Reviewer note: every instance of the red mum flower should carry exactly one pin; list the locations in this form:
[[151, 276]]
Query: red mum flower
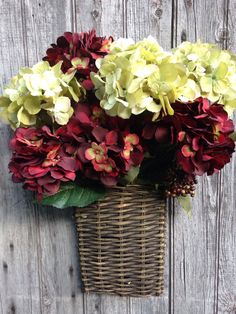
[[40, 161], [130, 141], [79, 51], [200, 131], [97, 153], [104, 145]]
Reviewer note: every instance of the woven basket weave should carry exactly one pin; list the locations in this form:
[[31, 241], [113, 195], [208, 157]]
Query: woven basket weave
[[122, 242]]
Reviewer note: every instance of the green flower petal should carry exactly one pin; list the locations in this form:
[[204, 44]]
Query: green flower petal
[[212, 69], [206, 84], [25, 118], [62, 104], [136, 75], [13, 107], [153, 107], [40, 87], [221, 71], [135, 85], [32, 105], [62, 118], [4, 101]]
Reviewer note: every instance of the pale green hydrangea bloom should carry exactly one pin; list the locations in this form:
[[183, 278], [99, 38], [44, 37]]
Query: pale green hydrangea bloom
[[211, 73], [133, 78], [39, 90]]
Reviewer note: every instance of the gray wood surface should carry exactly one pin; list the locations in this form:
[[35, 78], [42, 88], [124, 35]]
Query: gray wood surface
[[39, 267]]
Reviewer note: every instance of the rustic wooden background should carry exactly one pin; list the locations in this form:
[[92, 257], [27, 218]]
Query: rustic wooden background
[[39, 270]]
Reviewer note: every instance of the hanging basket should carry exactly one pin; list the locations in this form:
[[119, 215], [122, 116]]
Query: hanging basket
[[122, 242]]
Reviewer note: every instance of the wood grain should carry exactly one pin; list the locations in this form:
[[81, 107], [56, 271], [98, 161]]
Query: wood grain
[[195, 249], [146, 18], [57, 258], [19, 280], [103, 15], [39, 266], [226, 284], [39, 244]]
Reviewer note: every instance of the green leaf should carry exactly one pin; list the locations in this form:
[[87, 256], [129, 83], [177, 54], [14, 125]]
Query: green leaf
[[71, 194], [185, 203], [131, 175]]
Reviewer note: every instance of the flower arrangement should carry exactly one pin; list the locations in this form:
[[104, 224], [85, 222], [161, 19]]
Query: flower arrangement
[[98, 112]]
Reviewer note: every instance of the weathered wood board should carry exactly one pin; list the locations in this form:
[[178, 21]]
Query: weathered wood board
[[39, 267]]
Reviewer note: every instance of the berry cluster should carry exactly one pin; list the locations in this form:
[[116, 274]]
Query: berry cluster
[[180, 184]]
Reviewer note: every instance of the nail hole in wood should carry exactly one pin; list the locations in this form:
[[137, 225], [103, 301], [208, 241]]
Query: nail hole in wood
[[95, 14], [13, 308], [71, 270], [189, 3], [223, 34], [183, 35], [5, 266], [158, 13]]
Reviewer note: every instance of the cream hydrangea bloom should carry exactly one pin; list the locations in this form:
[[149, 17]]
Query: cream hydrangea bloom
[[37, 90], [133, 78], [211, 73]]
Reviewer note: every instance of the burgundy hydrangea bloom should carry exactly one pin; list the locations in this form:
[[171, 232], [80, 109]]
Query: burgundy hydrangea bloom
[[104, 145], [79, 51], [40, 161], [200, 131]]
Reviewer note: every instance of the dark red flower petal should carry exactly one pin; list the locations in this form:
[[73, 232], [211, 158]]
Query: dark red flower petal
[[111, 138], [162, 134], [108, 180], [68, 163], [88, 84], [83, 117], [149, 131], [99, 133], [41, 161]]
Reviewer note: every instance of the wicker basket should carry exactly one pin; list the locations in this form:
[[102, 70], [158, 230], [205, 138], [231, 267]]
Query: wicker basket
[[122, 242]]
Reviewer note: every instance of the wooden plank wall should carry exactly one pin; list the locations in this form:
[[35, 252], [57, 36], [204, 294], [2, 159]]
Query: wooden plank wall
[[39, 270]]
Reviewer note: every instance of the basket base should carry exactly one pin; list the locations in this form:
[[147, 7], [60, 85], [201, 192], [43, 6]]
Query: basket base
[[122, 243]]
